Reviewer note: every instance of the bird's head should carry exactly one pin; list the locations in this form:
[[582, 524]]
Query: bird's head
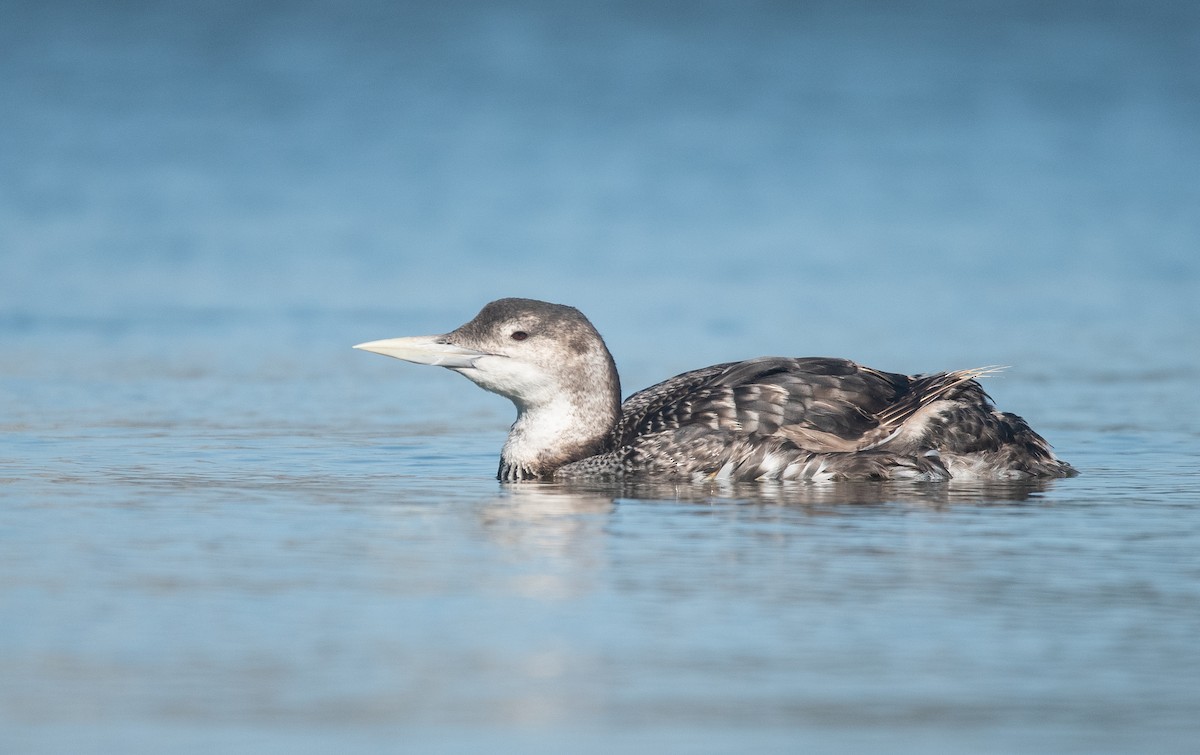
[[533, 352]]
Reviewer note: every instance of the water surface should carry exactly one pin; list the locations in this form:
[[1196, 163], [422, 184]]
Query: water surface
[[221, 529]]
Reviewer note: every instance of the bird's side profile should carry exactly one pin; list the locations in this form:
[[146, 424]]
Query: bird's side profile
[[771, 418]]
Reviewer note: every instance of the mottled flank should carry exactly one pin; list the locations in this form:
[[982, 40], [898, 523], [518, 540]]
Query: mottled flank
[[772, 418]]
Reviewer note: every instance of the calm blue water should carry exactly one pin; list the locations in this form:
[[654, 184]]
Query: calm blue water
[[221, 529]]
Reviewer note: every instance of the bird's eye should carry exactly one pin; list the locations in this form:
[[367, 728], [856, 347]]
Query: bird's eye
[[519, 335]]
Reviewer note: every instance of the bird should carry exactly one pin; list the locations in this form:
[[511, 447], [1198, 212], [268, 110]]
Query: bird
[[817, 419]]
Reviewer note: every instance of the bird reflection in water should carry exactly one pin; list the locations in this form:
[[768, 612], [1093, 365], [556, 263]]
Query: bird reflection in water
[[547, 500]]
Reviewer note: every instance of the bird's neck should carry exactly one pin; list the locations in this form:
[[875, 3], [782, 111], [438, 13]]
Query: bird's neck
[[549, 435]]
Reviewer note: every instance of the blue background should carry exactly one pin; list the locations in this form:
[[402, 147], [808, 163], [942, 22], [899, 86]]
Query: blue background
[[221, 527]]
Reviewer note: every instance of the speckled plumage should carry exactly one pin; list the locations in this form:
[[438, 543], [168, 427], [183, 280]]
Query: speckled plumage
[[782, 418]]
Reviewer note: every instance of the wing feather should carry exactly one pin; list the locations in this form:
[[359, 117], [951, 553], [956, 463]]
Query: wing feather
[[823, 419], [820, 404]]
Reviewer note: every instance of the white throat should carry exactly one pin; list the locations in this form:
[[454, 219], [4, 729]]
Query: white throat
[[541, 433]]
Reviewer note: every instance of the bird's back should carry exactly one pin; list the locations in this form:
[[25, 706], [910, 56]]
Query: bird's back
[[820, 418]]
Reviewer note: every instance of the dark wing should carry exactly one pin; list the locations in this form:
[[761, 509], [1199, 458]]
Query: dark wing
[[820, 404], [649, 409]]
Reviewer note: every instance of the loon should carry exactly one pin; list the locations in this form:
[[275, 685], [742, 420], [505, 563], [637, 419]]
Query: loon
[[770, 418]]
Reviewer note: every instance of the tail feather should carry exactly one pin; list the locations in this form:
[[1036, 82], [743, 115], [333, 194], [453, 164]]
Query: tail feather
[[929, 388]]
